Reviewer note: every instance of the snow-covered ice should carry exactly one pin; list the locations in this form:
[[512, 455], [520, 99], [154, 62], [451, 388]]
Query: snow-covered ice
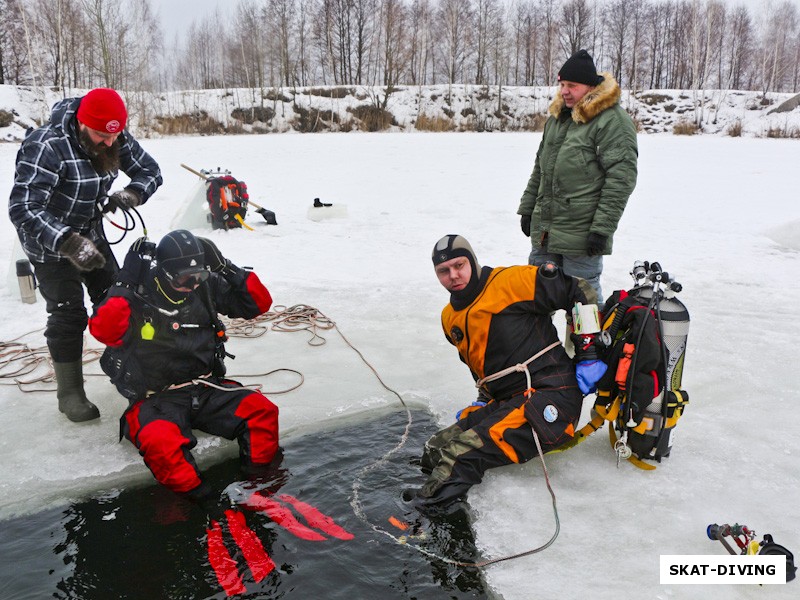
[[721, 214]]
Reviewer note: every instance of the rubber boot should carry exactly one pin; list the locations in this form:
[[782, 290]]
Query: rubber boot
[[72, 400]]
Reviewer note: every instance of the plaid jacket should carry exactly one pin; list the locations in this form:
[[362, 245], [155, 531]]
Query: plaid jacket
[[57, 190]]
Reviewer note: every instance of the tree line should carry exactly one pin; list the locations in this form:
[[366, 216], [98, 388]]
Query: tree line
[[261, 44]]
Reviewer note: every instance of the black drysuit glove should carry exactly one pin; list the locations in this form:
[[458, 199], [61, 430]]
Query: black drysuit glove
[[213, 257], [525, 224], [596, 244]]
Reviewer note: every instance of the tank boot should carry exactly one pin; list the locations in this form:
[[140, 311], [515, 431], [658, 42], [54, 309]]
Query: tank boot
[[72, 400]]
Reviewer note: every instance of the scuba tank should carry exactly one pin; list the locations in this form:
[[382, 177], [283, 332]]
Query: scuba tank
[[655, 288]]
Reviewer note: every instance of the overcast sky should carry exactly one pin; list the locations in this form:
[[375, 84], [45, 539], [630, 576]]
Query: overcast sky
[[178, 15]]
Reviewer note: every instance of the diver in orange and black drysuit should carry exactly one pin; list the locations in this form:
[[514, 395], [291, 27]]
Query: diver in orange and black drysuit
[[499, 318]]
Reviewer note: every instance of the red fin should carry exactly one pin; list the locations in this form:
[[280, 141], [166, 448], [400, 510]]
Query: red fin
[[257, 558], [223, 564], [317, 519], [282, 516]]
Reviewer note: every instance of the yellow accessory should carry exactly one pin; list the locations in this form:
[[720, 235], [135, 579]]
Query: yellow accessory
[[148, 332]]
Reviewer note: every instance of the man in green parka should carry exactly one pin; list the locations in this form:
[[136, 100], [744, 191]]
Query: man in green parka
[[585, 171]]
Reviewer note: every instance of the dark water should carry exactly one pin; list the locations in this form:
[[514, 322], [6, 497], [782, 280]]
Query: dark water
[[146, 543]]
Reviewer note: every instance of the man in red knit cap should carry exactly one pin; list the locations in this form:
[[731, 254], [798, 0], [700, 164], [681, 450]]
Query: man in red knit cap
[[64, 173]]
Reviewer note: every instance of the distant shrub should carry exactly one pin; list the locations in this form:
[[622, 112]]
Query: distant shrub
[[236, 128], [783, 132], [527, 123], [652, 99], [373, 118], [685, 127], [493, 122], [275, 96], [735, 129], [347, 125], [450, 114], [669, 108], [332, 92], [468, 112], [312, 120], [6, 118], [253, 114], [428, 123], [189, 123]]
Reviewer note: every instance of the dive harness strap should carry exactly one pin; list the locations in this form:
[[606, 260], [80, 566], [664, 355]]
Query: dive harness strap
[[609, 411], [518, 368]]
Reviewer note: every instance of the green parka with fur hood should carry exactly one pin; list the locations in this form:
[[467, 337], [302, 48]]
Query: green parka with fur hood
[[585, 171]]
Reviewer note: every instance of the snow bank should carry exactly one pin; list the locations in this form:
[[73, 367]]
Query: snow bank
[[439, 107]]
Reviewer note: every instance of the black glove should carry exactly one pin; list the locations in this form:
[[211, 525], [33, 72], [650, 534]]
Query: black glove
[[585, 346], [213, 257], [211, 502], [596, 244], [82, 253], [525, 224], [126, 198], [137, 262]]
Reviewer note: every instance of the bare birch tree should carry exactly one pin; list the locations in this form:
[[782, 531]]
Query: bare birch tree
[[575, 20]]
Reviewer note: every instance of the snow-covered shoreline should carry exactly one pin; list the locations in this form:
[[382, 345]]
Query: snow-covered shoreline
[[408, 108]]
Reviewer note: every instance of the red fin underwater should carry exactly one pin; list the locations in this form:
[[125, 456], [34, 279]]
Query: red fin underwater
[[282, 516], [257, 558], [317, 519], [223, 564]]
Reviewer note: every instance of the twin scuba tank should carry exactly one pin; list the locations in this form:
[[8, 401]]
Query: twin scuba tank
[[654, 286], [642, 340]]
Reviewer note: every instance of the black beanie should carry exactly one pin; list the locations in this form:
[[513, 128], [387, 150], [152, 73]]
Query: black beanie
[[580, 69]]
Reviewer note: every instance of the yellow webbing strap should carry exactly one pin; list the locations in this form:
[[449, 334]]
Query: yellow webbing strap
[[679, 405], [601, 414], [636, 462]]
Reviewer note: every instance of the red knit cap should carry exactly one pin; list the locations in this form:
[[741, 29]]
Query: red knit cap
[[102, 109]]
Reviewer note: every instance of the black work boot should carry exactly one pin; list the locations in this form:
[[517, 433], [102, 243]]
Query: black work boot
[[72, 400]]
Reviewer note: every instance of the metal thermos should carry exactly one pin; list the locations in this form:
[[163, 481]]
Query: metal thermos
[[27, 282]]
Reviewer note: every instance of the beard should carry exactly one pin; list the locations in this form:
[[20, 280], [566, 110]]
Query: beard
[[103, 158]]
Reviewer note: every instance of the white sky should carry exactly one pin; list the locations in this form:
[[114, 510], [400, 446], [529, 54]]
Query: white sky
[[177, 15]]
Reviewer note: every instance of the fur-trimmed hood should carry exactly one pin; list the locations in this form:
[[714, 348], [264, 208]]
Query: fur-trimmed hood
[[602, 97]]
